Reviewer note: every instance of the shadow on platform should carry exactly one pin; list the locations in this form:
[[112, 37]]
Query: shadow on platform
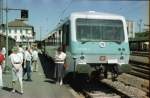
[[7, 89], [50, 81], [48, 65]]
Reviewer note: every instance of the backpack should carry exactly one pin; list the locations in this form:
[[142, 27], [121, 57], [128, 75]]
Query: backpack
[[1, 58]]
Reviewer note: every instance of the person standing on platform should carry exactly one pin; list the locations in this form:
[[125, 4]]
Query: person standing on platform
[[60, 57], [34, 59], [4, 53], [27, 63], [16, 61], [21, 53], [2, 58]]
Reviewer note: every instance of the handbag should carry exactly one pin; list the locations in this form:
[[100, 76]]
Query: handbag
[[65, 65]]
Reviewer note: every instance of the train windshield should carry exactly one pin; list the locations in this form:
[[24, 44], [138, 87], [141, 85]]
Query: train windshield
[[99, 30]]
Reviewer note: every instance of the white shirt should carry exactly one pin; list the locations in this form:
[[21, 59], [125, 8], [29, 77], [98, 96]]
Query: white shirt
[[35, 55], [16, 60], [20, 49], [27, 56], [21, 52], [3, 51], [59, 58]]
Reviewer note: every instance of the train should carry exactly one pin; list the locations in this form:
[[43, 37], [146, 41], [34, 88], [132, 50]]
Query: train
[[11, 42], [95, 42], [139, 45]]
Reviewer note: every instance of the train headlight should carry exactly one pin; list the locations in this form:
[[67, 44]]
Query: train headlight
[[119, 49], [82, 60], [121, 58], [123, 49], [82, 57]]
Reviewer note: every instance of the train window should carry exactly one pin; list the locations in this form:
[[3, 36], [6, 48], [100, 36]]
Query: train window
[[98, 29]]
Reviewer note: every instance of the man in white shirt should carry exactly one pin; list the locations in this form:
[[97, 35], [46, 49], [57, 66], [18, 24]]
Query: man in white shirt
[[4, 53], [60, 57], [34, 60], [28, 64]]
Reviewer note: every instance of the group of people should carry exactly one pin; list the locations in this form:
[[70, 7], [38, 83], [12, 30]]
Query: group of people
[[21, 60]]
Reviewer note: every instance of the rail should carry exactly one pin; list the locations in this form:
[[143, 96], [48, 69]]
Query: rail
[[140, 68]]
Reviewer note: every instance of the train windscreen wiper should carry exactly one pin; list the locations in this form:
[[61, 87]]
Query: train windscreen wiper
[[83, 42]]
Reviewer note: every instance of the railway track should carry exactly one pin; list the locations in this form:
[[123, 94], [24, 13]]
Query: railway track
[[142, 54], [118, 89], [104, 91], [99, 94], [105, 88], [140, 65], [134, 81], [140, 69]]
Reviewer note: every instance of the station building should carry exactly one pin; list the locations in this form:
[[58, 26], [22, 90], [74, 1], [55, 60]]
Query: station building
[[22, 32]]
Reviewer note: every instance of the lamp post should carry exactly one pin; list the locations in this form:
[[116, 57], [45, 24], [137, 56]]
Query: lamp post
[[6, 28], [6, 34]]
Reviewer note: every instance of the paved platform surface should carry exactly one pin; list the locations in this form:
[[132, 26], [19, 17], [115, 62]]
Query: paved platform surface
[[41, 86]]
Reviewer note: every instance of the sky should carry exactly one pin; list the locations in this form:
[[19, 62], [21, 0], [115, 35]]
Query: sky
[[44, 15]]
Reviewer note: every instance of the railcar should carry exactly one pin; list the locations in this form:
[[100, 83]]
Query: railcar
[[93, 42], [139, 45]]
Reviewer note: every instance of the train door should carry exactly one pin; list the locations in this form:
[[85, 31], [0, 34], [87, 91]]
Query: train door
[[65, 36]]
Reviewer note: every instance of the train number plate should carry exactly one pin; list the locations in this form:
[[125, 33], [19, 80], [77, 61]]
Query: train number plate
[[112, 61]]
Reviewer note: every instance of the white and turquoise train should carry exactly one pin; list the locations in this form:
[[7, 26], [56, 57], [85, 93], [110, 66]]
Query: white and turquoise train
[[92, 41]]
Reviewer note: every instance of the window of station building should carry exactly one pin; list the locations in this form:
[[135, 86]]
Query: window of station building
[[21, 31], [3, 30], [29, 31], [15, 37], [15, 30], [26, 31], [9, 30]]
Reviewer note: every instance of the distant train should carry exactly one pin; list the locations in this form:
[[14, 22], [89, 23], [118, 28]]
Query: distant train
[[11, 42], [140, 45], [93, 42]]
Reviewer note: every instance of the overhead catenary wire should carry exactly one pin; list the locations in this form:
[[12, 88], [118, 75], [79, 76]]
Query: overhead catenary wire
[[61, 14], [64, 10]]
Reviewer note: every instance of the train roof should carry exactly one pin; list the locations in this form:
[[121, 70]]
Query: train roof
[[86, 14], [94, 13]]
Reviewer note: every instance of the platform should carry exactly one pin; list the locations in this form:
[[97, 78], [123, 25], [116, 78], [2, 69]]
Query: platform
[[41, 86]]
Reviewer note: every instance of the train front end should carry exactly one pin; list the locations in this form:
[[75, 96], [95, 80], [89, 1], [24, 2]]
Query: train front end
[[98, 40]]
